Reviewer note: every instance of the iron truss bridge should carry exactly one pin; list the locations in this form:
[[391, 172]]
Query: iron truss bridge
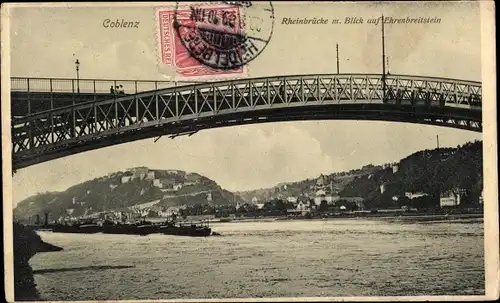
[[53, 118]]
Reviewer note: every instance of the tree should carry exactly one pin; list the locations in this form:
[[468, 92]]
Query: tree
[[425, 202], [403, 201], [323, 206], [351, 206]]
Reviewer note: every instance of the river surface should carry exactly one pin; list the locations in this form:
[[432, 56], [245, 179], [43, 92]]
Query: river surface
[[350, 257]]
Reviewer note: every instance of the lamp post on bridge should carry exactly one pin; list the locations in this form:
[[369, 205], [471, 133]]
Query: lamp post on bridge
[[77, 64], [337, 58], [383, 62]]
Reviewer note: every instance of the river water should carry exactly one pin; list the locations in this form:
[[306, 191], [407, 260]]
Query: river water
[[351, 257]]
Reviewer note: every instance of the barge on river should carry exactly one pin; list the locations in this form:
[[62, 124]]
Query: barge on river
[[77, 228], [142, 228], [191, 230]]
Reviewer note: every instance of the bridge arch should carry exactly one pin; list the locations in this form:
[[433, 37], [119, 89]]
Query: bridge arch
[[58, 132]]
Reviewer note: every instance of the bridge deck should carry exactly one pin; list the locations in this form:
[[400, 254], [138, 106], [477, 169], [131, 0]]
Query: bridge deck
[[26, 103], [32, 95]]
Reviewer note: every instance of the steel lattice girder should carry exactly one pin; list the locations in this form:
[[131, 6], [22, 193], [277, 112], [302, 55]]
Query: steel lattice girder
[[447, 102], [72, 146]]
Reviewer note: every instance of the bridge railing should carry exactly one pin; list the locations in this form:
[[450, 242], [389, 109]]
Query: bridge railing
[[89, 86]]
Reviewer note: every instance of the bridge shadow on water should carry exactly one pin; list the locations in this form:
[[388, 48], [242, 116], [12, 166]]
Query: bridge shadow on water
[[94, 268]]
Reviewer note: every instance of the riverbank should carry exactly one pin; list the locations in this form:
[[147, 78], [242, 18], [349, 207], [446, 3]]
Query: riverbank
[[407, 217], [27, 243]]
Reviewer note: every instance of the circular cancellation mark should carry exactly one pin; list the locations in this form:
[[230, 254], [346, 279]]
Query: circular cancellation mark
[[224, 35]]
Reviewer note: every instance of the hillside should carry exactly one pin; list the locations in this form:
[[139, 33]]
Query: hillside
[[124, 189], [299, 188], [430, 171]]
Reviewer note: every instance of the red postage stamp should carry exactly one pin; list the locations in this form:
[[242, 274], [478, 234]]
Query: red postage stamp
[[174, 53]]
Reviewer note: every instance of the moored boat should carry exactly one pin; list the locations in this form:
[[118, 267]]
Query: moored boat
[[147, 229], [190, 230], [128, 229], [76, 229]]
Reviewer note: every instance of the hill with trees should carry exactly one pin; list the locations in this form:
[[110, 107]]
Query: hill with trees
[[125, 189], [432, 172], [300, 188], [429, 171]]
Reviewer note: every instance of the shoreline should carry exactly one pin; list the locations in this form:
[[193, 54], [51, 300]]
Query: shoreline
[[27, 243], [395, 218]]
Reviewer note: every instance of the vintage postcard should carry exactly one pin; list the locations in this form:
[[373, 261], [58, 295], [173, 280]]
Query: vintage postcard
[[250, 151]]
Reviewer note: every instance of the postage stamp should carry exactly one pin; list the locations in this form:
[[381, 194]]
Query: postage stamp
[[206, 40], [174, 54]]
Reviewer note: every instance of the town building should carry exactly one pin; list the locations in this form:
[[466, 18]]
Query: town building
[[127, 177], [324, 191], [302, 208], [395, 168], [411, 195], [167, 189], [195, 178], [173, 172], [75, 202], [150, 175], [142, 206], [169, 212], [158, 183], [449, 199], [138, 172], [330, 199]]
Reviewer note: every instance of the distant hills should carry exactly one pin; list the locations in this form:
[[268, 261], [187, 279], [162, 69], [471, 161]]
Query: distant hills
[[307, 187], [430, 171], [124, 189]]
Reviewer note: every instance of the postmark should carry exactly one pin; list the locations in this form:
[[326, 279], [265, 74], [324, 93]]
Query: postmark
[[225, 36], [173, 54]]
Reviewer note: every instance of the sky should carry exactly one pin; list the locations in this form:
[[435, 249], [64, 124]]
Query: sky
[[46, 41]]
